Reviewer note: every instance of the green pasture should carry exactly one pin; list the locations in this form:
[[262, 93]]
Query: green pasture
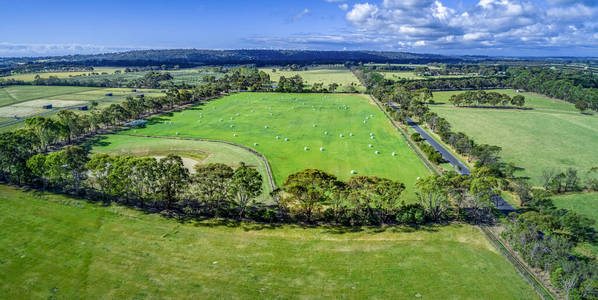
[[584, 204], [396, 75], [292, 117], [202, 152], [343, 77], [55, 247], [548, 135]]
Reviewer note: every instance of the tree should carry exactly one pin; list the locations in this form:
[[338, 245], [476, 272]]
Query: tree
[[433, 196], [70, 123], [581, 105], [247, 184], [518, 100], [45, 129], [173, 178], [212, 185], [309, 189]]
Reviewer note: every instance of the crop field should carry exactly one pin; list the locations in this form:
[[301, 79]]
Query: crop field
[[549, 135], [343, 77], [334, 128], [192, 152], [31, 76], [53, 246]]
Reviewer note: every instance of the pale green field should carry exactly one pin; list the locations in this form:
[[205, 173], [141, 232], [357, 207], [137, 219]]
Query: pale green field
[[20, 93], [343, 77], [54, 247], [584, 204], [292, 116], [399, 75], [31, 76], [201, 151], [551, 135]]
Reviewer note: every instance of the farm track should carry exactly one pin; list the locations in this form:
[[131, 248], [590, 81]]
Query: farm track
[[259, 155]]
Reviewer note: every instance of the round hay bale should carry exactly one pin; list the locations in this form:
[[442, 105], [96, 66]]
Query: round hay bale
[[177, 133], [277, 137], [370, 145], [372, 137], [255, 144], [305, 148], [371, 134], [353, 172], [394, 154], [231, 125], [351, 134], [321, 148], [340, 135], [377, 152], [315, 125], [266, 126], [325, 132], [286, 139]]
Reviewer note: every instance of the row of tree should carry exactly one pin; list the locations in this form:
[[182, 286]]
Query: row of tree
[[483, 98]]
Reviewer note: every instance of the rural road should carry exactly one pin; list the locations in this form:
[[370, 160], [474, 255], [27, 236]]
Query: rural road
[[500, 203]]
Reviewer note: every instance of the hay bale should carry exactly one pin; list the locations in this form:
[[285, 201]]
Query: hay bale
[[286, 139], [371, 134], [394, 154], [377, 152], [255, 144], [305, 148], [231, 125], [266, 126], [364, 121], [177, 133], [350, 133], [315, 125], [277, 137], [325, 132], [353, 172], [372, 137], [340, 135], [234, 134], [321, 148]]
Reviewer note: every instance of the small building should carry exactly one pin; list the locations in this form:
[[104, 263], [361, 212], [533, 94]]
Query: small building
[[84, 107], [133, 90], [47, 106], [109, 95]]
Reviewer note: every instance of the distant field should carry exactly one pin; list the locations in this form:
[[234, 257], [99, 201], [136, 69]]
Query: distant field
[[550, 135], [31, 76], [343, 77], [197, 151], [27, 100], [399, 75], [54, 247], [293, 116]]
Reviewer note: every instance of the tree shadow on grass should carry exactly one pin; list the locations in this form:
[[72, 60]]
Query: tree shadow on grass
[[96, 141]]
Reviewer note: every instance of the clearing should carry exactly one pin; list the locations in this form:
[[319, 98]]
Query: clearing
[[343, 77]]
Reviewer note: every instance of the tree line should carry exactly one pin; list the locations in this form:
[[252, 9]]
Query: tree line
[[483, 98]]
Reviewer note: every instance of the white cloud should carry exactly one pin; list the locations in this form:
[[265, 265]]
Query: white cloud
[[50, 49], [300, 15], [343, 6]]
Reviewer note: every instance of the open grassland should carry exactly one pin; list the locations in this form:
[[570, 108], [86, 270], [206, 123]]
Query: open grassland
[[261, 117], [550, 135], [202, 152], [31, 76], [399, 75], [52, 246], [343, 77]]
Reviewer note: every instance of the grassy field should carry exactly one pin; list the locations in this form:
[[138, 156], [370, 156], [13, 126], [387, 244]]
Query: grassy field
[[52, 246], [31, 76], [399, 75], [550, 135], [343, 77], [293, 116], [199, 151]]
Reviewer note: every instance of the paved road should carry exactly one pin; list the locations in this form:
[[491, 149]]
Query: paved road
[[500, 203]]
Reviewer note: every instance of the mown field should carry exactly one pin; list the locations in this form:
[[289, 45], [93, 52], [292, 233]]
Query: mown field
[[258, 118], [550, 135], [343, 77], [585, 204], [193, 152], [55, 247]]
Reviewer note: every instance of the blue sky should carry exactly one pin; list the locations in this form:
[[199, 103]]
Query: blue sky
[[481, 27]]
